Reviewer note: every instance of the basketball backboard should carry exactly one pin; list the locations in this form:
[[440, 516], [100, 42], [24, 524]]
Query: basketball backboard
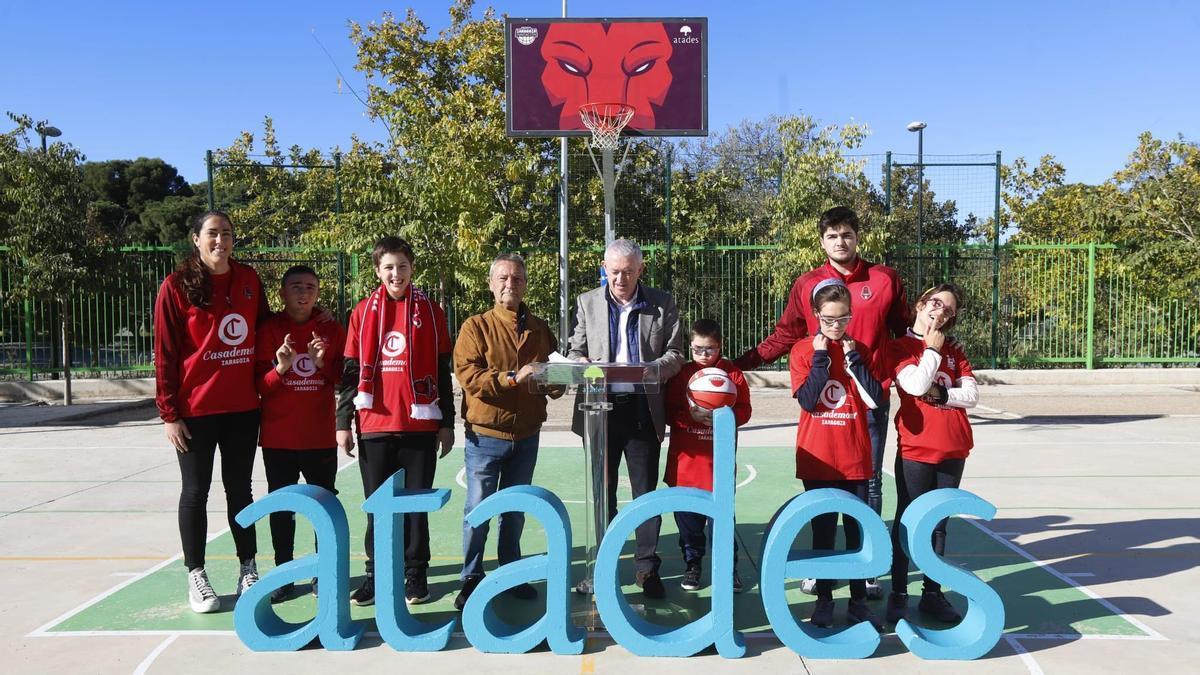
[[657, 65]]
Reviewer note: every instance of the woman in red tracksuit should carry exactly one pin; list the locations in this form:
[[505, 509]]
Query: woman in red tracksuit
[[833, 383], [690, 455], [936, 386], [204, 341]]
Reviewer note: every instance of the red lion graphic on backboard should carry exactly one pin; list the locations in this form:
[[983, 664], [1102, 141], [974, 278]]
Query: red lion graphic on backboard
[[606, 63]]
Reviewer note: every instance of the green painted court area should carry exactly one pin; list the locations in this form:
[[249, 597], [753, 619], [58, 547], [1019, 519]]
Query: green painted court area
[[1037, 601]]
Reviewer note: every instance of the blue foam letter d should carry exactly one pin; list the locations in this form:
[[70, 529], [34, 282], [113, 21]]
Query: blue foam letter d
[[632, 631]]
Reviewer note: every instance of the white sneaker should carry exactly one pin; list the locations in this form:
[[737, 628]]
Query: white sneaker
[[874, 590], [201, 595], [808, 586], [247, 576]]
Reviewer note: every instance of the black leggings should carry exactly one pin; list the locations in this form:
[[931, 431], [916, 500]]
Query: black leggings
[[378, 459], [237, 436], [914, 479], [824, 533], [284, 467]]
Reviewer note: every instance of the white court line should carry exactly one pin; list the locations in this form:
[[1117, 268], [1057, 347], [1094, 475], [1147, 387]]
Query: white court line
[[144, 666], [752, 476], [1080, 574], [1009, 534], [1026, 657], [995, 411], [42, 631], [1150, 632]]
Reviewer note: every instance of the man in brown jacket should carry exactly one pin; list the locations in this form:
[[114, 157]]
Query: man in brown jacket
[[502, 411]]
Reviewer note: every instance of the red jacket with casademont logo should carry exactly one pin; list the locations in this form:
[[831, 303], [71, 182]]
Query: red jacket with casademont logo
[[204, 356], [297, 407]]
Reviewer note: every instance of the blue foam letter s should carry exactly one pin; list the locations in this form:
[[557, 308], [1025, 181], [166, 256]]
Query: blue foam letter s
[[983, 622]]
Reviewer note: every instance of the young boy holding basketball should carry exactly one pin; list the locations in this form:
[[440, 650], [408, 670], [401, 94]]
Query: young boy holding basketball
[[690, 454]]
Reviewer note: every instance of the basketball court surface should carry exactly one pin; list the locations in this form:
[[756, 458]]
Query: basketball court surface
[[1093, 549]]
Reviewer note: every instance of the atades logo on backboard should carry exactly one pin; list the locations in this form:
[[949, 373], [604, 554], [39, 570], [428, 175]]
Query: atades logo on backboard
[[685, 37], [262, 630]]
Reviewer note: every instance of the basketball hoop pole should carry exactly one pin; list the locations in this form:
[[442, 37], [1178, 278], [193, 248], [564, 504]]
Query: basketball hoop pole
[[608, 176]]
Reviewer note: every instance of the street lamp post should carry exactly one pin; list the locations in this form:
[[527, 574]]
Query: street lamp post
[[919, 127], [45, 130]]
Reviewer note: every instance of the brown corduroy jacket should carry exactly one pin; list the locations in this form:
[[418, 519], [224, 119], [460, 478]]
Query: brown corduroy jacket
[[487, 348]]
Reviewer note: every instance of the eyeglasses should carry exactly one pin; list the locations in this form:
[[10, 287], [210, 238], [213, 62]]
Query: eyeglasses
[[705, 351], [832, 321], [938, 304]]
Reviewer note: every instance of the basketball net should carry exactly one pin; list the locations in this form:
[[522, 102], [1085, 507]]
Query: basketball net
[[605, 121]]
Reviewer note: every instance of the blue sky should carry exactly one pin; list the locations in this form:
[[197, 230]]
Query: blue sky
[[1078, 80]]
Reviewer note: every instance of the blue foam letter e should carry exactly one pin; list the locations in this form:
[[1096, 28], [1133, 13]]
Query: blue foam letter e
[[485, 630], [632, 631], [255, 621], [398, 628], [855, 642], [983, 622]]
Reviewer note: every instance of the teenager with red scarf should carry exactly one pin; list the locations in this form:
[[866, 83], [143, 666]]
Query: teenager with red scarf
[[880, 313], [204, 341], [936, 386], [833, 383], [396, 385]]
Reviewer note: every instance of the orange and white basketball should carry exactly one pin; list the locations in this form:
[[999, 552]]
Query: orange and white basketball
[[711, 388]]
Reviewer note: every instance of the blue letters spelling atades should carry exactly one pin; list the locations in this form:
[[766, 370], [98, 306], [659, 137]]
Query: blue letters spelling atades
[[262, 630]]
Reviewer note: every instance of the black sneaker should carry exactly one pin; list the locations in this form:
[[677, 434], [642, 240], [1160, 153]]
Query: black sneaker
[[468, 587], [652, 586], [737, 583], [936, 605], [416, 589], [365, 595], [691, 576], [523, 592], [822, 614], [859, 611], [584, 587], [897, 607], [282, 593]]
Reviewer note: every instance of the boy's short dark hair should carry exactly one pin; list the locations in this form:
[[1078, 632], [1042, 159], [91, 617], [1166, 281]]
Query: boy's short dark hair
[[837, 216], [297, 269], [708, 328], [392, 244]]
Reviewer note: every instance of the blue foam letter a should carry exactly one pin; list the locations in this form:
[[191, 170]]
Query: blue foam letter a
[[983, 622], [255, 621], [632, 631], [484, 628]]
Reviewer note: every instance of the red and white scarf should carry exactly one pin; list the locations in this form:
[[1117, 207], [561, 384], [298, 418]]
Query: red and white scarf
[[421, 338]]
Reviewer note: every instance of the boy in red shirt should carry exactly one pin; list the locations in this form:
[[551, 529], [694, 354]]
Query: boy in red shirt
[[936, 387], [396, 384], [299, 360], [690, 454], [833, 383]]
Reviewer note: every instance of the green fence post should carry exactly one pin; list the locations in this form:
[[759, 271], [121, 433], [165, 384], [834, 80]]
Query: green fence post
[[341, 275], [996, 270], [29, 336], [1091, 307], [212, 198], [337, 185]]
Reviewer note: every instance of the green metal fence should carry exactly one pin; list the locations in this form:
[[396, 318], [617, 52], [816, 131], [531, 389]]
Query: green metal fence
[[1054, 305]]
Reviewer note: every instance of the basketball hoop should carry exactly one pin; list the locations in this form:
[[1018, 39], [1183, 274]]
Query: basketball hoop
[[605, 121]]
